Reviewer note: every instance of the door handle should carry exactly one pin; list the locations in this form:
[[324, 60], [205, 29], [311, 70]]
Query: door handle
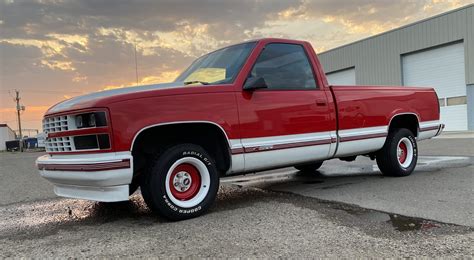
[[320, 103]]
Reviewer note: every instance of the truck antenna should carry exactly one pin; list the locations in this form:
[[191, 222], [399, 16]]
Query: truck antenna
[[136, 64]]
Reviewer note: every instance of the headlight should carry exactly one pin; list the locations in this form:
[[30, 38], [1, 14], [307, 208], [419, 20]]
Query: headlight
[[95, 119]]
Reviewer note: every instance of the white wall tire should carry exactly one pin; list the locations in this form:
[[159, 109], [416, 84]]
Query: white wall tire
[[399, 155], [181, 183]]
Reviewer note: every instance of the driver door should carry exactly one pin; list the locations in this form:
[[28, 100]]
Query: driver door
[[287, 122]]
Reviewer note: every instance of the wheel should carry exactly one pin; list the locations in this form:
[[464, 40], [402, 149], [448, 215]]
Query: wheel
[[309, 167], [399, 154], [181, 183]]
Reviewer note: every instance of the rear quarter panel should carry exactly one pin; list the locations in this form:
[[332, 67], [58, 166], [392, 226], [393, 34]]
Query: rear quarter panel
[[370, 106], [365, 112]]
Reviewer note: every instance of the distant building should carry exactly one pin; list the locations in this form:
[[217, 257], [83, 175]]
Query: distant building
[[436, 52], [6, 134], [41, 137]]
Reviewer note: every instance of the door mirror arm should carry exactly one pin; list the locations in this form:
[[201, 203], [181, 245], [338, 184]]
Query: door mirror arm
[[254, 83]]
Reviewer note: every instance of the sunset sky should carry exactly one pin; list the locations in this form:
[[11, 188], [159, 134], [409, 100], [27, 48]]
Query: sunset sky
[[53, 50]]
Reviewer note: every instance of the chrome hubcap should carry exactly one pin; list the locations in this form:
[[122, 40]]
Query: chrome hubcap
[[182, 181], [400, 153], [405, 152]]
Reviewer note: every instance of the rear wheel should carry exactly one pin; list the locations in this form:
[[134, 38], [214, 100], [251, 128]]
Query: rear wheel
[[399, 155], [182, 183], [309, 167]]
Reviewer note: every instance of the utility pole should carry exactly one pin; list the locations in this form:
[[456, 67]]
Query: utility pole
[[19, 108]]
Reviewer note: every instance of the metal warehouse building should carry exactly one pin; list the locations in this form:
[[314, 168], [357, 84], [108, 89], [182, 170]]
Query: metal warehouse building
[[437, 52]]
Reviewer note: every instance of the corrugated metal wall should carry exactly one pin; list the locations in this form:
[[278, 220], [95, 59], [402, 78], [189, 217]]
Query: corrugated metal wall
[[377, 59]]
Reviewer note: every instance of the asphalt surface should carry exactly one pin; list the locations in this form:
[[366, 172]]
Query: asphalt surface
[[20, 179], [285, 214], [441, 188]]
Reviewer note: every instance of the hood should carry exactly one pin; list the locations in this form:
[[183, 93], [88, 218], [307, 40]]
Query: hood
[[75, 101]]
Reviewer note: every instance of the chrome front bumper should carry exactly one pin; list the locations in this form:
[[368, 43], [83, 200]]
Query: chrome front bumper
[[100, 177]]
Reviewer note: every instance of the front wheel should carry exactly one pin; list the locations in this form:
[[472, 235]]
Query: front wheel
[[181, 183], [399, 155]]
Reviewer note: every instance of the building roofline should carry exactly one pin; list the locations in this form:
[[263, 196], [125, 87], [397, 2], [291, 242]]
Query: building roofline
[[399, 28], [7, 126]]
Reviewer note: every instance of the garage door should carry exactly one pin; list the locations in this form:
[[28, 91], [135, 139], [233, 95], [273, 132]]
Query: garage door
[[343, 77], [442, 68]]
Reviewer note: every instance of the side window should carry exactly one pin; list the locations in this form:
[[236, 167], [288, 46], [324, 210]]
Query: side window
[[284, 67]]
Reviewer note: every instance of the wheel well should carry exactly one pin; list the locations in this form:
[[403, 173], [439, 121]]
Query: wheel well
[[156, 139], [408, 121]]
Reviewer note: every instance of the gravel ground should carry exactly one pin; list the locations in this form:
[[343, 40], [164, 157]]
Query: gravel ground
[[245, 222]]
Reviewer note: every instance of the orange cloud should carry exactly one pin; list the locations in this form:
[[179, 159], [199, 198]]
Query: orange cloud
[[188, 39], [53, 47]]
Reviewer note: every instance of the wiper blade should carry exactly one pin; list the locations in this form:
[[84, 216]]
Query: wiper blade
[[196, 81]]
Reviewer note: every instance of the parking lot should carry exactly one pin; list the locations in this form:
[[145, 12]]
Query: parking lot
[[346, 209]]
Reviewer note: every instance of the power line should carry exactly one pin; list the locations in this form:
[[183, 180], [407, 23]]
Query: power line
[[9, 121]]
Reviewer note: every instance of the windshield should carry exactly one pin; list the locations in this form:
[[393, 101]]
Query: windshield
[[219, 67]]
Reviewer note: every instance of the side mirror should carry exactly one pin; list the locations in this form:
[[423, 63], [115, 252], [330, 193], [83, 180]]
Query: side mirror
[[254, 83]]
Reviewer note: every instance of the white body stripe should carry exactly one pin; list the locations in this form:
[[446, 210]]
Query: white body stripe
[[429, 123], [264, 153], [284, 157], [422, 135], [363, 131], [367, 145], [237, 160], [427, 134], [285, 139], [357, 147], [279, 157], [333, 148]]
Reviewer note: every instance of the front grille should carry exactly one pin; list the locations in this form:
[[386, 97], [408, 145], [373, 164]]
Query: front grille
[[60, 136], [55, 124], [59, 144]]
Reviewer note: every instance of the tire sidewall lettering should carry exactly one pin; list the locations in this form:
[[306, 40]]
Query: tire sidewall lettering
[[180, 210], [199, 155], [415, 148]]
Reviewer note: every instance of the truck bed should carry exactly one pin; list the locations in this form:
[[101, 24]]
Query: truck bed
[[365, 112]]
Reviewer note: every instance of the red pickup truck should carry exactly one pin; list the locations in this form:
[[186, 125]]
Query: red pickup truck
[[248, 107]]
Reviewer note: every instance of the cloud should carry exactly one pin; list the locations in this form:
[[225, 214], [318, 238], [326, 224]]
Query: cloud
[[71, 46], [167, 76], [53, 48], [188, 39]]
